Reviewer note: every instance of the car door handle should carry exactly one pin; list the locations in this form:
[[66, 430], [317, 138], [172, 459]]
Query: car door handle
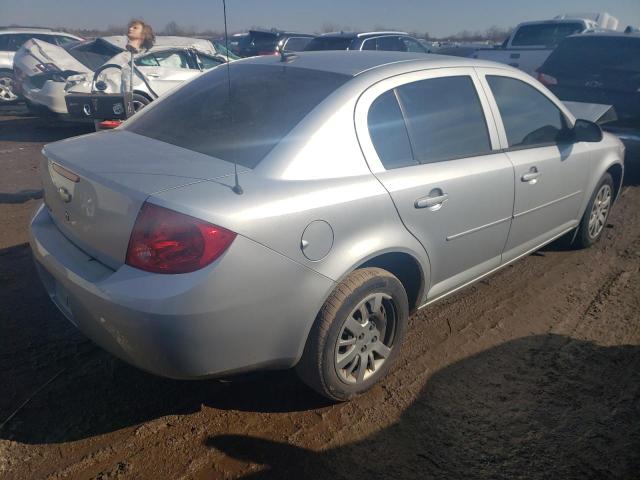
[[153, 75], [431, 201], [530, 176]]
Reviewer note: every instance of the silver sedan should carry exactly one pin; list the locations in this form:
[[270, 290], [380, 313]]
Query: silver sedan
[[293, 211]]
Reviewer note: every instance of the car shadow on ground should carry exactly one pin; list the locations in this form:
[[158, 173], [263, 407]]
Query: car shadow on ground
[[543, 406], [22, 126], [91, 392]]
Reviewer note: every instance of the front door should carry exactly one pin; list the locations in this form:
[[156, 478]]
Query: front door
[[551, 171]]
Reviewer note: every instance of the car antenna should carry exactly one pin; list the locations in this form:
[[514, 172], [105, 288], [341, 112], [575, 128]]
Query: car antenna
[[237, 189]]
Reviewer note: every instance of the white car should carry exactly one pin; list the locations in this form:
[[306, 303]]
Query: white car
[[45, 73], [11, 39]]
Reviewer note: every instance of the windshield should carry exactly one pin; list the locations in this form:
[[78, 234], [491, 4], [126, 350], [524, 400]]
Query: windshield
[[265, 104], [92, 54], [329, 43], [546, 34]]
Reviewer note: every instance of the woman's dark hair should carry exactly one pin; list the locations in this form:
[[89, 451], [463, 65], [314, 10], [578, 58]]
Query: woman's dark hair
[[147, 32]]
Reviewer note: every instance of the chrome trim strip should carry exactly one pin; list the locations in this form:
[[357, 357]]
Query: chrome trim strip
[[476, 229], [547, 204], [499, 267]]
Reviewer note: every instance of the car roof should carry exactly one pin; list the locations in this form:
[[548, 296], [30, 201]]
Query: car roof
[[606, 34], [360, 34], [279, 33], [356, 62], [164, 41], [40, 31]]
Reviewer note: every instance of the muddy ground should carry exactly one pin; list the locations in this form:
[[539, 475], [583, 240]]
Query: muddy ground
[[532, 373]]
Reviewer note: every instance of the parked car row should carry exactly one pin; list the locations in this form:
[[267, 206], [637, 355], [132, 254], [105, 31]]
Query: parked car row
[[46, 73]]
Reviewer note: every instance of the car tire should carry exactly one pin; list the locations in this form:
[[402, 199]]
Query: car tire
[[139, 102], [595, 217], [7, 95], [357, 335]]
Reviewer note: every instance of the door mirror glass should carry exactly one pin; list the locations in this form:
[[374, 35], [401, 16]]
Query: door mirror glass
[[586, 131]]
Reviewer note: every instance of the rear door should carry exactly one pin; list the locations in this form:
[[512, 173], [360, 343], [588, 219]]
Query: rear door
[[429, 139], [166, 69], [551, 171]]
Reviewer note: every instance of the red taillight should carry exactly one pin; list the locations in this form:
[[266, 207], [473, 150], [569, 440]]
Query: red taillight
[[546, 80], [109, 124], [47, 67], [164, 241]]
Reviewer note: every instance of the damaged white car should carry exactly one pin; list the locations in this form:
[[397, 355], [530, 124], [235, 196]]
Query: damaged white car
[[45, 73]]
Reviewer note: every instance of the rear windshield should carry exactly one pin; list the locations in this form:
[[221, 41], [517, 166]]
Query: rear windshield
[[329, 43], [595, 55], [546, 34], [92, 54], [265, 103]]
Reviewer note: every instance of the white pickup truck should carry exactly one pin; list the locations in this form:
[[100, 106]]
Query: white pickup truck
[[531, 43]]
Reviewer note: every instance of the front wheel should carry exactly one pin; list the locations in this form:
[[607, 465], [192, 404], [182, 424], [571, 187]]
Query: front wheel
[[596, 214], [357, 335]]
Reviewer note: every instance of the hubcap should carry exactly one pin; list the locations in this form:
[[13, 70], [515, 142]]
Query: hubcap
[[599, 211], [6, 90], [366, 339]]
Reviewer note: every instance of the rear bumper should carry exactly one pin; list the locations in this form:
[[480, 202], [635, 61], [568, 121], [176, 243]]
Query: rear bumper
[[252, 308], [50, 96]]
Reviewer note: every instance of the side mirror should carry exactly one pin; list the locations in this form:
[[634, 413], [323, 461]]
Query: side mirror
[[586, 131]]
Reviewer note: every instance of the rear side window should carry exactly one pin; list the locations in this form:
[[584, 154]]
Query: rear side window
[[4, 43], [544, 34], [329, 43], [530, 119], [444, 118], [389, 133], [266, 102]]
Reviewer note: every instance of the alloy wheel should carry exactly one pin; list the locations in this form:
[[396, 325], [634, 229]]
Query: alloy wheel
[[599, 211], [366, 339], [6, 89]]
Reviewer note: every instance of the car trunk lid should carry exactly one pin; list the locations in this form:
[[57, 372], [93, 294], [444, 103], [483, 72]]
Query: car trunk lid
[[95, 185]]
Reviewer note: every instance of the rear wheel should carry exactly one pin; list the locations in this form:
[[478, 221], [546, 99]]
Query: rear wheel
[[596, 214], [357, 335], [7, 94]]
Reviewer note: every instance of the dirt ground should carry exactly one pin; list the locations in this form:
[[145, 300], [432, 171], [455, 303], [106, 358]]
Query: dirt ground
[[532, 373]]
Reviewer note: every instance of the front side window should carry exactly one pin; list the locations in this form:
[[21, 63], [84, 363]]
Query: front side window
[[530, 119], [296, 44], [444, 118], [172, 59], [389, 133], [412, 45], [63, 40], [387, 44]]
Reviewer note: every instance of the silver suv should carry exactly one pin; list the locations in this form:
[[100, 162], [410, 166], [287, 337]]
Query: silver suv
[[11, 39]]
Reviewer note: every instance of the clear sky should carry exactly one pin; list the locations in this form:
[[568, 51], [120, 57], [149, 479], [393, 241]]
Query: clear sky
[[438, 17]]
